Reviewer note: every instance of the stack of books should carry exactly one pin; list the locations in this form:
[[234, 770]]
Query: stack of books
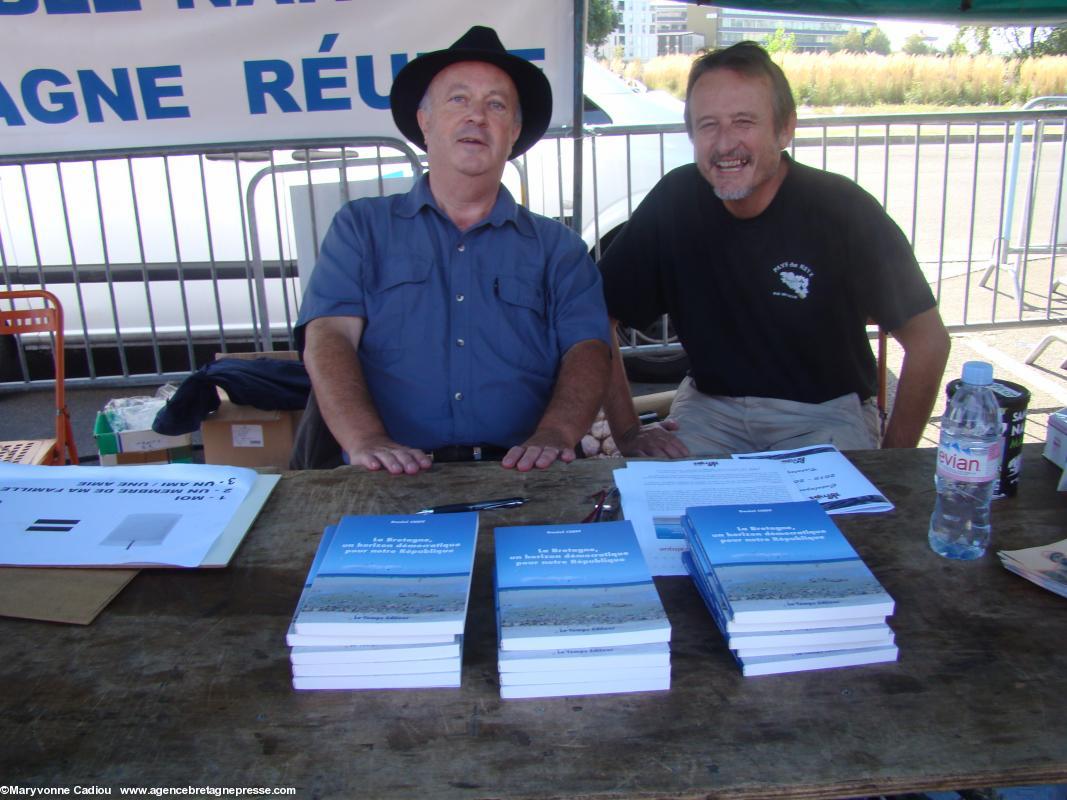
[[384, 604], [786, 589], [577, 612]]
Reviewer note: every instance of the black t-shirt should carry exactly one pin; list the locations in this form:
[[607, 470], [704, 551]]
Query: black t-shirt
[[774, 306]]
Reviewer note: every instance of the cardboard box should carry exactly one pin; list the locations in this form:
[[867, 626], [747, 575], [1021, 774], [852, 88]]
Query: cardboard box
[[139, 447], [243, 436], [173, 455], [1056, 438]]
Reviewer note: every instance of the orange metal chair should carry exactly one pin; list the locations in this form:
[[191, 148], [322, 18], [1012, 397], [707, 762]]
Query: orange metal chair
[[49, 319]]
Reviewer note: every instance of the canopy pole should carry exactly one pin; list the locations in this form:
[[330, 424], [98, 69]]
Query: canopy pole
[[580, 21]]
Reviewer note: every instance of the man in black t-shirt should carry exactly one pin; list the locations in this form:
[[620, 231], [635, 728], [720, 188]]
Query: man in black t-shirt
[[770, 271]]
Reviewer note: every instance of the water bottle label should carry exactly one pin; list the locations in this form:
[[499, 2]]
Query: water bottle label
[[969, 464]]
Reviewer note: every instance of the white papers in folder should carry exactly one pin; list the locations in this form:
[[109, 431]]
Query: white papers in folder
[[822, 473], [159, 515], [655, 495]]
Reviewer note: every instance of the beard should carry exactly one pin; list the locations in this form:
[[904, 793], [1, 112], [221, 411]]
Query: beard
[[736, 193], [740, 193]]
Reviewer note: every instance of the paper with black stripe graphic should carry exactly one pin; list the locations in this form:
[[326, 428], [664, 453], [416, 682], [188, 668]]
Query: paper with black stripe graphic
[[49, 525], [165, 515]]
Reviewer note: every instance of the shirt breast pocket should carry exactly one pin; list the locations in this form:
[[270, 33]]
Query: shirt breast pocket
[[525, 335], [524, 294], [396, 293]]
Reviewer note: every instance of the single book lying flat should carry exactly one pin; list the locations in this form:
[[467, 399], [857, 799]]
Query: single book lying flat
[[584, 677], [376, 653], [585, 658], [390, 575], [430, 680], [561, 587], [571, 689], [433, 665], [802, 662], [294, 639]]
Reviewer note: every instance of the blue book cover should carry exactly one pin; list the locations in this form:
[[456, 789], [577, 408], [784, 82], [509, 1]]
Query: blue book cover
[[565, 586], [778, 562], [316, 562], [391, 575]]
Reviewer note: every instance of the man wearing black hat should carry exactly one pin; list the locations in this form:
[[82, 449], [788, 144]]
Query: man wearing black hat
[[448, 321]]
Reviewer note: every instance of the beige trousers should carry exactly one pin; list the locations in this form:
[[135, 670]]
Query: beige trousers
[[711, 425]]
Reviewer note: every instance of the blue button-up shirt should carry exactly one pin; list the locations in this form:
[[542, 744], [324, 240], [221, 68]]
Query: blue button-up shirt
[[464, 329]]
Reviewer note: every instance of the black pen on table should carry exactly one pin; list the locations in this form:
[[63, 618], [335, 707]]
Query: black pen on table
[[480, 505]]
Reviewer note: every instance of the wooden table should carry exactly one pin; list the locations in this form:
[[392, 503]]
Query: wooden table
[[185, 679]]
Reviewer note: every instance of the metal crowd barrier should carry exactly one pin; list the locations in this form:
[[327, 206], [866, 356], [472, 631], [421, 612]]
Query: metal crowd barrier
[[163, 258]]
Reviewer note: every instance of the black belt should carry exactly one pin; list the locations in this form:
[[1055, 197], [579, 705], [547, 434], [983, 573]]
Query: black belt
[[467, 452]]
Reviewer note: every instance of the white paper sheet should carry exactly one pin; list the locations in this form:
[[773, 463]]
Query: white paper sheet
[[655, 495], [822, 473], [167, 514]]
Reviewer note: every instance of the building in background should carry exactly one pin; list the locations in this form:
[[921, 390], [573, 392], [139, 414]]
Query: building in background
[[812, 33], [650, 28], [673, 33], [704, 21], [635, 38]]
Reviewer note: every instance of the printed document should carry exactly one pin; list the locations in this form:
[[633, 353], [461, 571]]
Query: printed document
[[655, 495], [164, 515], [822, 473]]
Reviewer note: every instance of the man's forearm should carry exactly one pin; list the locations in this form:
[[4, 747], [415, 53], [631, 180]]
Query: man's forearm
[[618, 400], [340, 388], [926, 347], [578, 393]]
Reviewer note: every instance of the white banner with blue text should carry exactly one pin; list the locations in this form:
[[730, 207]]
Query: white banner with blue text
[[96, 75]]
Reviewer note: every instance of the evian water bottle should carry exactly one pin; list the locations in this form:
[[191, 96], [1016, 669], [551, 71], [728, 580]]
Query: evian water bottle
[[968, 458]]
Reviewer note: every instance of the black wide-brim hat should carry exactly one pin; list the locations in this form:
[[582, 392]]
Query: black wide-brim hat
[[477, 44]]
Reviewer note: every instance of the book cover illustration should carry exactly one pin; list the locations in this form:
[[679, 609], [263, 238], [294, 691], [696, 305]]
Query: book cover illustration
[[783, 561], [570, 586], [412, 572]]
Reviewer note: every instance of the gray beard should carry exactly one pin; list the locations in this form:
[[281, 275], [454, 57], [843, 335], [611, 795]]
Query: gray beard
[[735, 194]]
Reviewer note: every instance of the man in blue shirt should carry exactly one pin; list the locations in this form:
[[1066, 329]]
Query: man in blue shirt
[[449, 321]]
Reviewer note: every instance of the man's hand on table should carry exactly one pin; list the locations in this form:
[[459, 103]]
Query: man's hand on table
[[381, 452], [655, 440], [541, 450]]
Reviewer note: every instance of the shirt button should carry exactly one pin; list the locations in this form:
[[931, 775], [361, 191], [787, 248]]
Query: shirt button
[[459, 298], [460, 343], [462, 247], [458, 395]]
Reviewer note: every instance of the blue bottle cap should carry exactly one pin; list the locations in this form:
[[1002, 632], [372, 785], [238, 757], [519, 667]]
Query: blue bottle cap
[[977, 373]]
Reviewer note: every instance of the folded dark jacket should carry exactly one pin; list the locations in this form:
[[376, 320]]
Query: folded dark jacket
[[266, 383]]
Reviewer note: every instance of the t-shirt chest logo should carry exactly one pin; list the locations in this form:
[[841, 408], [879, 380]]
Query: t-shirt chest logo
[[796, 280]]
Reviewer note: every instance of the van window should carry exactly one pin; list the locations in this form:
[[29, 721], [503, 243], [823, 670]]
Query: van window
[[593, 114]]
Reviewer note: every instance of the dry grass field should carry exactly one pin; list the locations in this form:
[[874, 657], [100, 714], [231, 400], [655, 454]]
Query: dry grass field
[[895, 82]]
